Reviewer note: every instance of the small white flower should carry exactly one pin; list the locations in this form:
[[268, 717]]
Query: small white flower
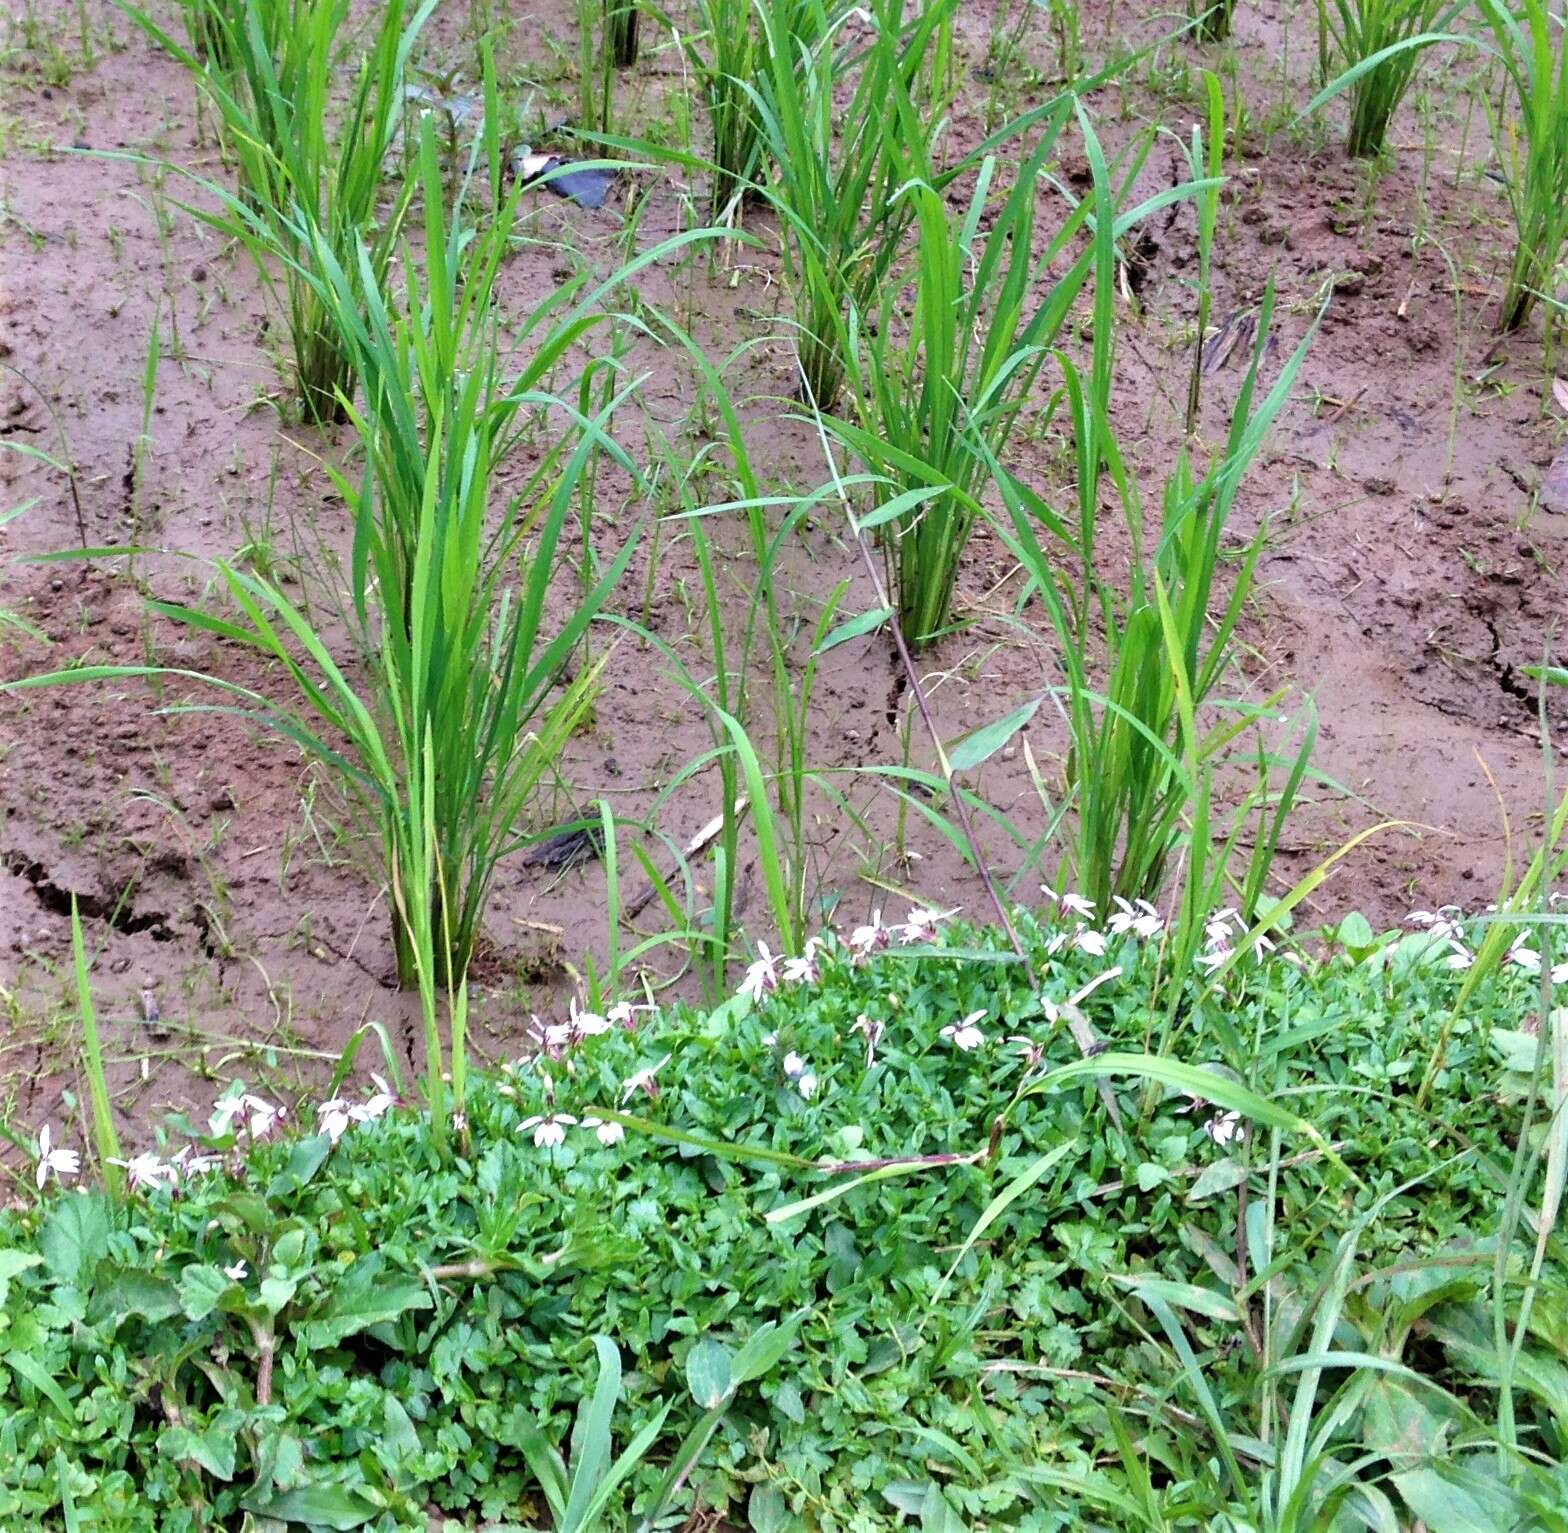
[[1032, 1053], [793, 1064], [762, 977], [1055, 943], [1524, 955], [147, 1170], [1083, 992], [237, 1273], [1141, 919], [965, 1035], [60, 1162], [799, 971], [1460, 957], [644, 1080], [1224, 1127], [377, 1105], [192, 1164], [806, 1084], [624, 1015], [549, 1129], [333, 1118], [1078, 905], [868, 939], [589, 1023], [260, 1116], [1090, 941], [922, 924], [1214, 959], [606, 1130]]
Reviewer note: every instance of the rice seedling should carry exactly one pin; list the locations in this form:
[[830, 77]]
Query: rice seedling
[[619, 32], [1378, 46], [935, 408], [1531, 135], [1140, 762], [724, 53], [1212, 19], [310, 168], [841, 165]]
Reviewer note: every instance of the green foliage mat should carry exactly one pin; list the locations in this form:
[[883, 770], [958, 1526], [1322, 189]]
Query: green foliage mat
[[361, 1333]]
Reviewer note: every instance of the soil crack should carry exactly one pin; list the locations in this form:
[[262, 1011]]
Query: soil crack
[[1508, 677], [119, 912]]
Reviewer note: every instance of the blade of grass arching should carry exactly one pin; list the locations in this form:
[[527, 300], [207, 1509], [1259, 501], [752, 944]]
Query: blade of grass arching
[[998, 1206], [105, 1139]]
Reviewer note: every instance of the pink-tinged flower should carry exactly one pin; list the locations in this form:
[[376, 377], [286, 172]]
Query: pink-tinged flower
[[762, 977], [624, 1015], [193, 1164], [333, 1118], [923, 923], [871, 938], [806, 1084], [377, 1105], [237, 1273], [1520, 952], [1089, 941], [965, 1035], [1055, 943], [1141, 919], [800, 971], [146, 1171], [645, 1081], [1032, 1053], [549, 1129], [606, 1130], [1224, 1127], [54, 1161], [1215, 958], [262, 1117], [1459, 957], [1440, 922], [871, 1030]]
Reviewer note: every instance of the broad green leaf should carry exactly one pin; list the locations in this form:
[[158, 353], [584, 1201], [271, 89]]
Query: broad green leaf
[[764, 1349], [708, 1374], [767, 1510], [347, 1313], [75, 1236], [306, 1159], [214, 1450], [854, 628], [1455, 1500], [318, 1506], [201, 1288], [13, 1264]]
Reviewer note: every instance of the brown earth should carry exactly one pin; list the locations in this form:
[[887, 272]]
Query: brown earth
[[1408, 576]]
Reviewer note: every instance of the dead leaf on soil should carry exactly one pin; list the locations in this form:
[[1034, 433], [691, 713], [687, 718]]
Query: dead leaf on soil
[[1560, 390], [1554, 486]]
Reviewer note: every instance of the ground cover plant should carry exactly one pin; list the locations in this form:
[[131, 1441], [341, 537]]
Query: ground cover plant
[[1002, 465], [873, 1208]]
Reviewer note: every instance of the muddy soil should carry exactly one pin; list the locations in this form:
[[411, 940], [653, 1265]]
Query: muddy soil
[[232, 908]]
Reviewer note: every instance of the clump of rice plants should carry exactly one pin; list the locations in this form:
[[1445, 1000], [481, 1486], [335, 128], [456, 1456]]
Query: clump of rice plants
[[1212, 19], [841, 166], [1531, 134], [310, 168], [1377, 45], [620, 32]]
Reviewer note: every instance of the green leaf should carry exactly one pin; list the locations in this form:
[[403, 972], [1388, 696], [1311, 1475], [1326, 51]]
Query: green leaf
[[13, 1264], [201, 1288], [767, 1510], [320, 1506], [854, 628], [968, 751], [937, 1514], [75, 1236], [1455, 1501], [308, 1157], [213, 1449], [139, 1293], [29, 1368], [1220, 1177], [708, 1374], [349, 1312], [763, 1351], [1188, 1296], [1355, 931]]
